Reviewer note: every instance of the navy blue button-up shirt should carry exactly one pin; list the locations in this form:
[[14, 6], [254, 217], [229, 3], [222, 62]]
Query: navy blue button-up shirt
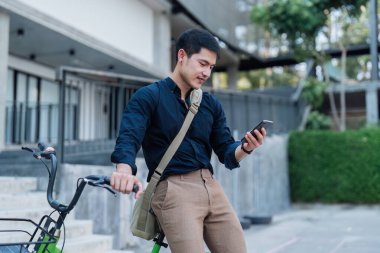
[[154, 116]]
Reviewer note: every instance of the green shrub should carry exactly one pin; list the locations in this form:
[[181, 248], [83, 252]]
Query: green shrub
[[318, 121], [335, 167], [313, 92]]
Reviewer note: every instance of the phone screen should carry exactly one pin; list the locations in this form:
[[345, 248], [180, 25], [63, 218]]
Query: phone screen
[[264, 123]]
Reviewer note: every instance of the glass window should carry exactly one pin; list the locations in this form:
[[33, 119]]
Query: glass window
[[31, 116], [49, 93], [10, 87], [8, 108], [32, 91], [21, 88], [49, 103]]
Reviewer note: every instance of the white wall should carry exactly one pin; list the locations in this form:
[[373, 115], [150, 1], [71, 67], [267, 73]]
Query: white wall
[[125, 24], [31, 67], [4, 42]]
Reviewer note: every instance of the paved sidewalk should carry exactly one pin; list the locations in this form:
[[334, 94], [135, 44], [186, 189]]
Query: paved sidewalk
[[319, 229], [313, 229]]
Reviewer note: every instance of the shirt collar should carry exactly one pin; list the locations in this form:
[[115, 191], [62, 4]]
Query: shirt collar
[[174, 88], [172, 85]]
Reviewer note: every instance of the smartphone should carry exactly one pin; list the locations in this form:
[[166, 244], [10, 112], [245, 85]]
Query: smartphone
[[264, 123]]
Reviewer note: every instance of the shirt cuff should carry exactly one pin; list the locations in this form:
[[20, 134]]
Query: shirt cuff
[[230, 161], [115, 159], [134, 169]]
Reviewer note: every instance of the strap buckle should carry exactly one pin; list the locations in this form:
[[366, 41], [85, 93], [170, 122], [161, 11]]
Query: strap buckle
[[194, 108], [156, 176], [196, 96]]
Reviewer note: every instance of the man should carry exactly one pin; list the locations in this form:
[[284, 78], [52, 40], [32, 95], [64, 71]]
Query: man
[[189, 204]]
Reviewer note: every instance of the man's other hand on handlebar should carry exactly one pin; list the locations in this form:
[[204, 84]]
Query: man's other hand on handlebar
[[123, 181]]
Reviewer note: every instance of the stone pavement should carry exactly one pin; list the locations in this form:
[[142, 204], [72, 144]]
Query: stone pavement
[[319, 229], [313, 229]]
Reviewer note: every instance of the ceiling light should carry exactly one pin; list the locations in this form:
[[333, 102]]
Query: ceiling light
[[20, 32]]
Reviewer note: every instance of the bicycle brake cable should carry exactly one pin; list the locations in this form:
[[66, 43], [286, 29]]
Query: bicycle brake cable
[[38, 156], [47, 167], [100, 183]]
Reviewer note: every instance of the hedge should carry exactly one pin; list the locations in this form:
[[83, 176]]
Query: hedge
[[335, 167]]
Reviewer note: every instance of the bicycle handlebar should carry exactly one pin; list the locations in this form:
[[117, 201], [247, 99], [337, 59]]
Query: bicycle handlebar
[[48, 153], [93, 180], [100, 181]]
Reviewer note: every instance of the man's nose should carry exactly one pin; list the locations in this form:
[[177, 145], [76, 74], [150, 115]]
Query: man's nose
[[206, 72]]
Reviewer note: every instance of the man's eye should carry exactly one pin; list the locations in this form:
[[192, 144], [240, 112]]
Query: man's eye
[[204, 63]]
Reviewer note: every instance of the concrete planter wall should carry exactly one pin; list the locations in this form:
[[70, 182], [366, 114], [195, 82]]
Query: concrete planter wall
[[260, 187]]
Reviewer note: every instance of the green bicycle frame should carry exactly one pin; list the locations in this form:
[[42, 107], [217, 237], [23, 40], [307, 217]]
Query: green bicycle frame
[[156, 248], [51, 247]]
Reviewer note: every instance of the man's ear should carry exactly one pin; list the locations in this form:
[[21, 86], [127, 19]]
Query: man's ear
[[181, 54]]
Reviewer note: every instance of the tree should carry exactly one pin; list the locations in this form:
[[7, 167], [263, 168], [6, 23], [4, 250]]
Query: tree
[[301, 21], [313, 94]]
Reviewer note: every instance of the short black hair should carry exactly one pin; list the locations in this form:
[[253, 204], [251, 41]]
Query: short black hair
[[193, 40]]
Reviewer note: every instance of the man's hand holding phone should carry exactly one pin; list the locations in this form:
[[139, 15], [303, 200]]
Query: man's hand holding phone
[[255, 137]]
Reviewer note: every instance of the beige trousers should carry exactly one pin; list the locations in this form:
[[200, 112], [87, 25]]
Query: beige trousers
[[193, 209]]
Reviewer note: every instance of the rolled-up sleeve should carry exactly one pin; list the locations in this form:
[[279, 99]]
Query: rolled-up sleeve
[[221, 139], [133, 126]]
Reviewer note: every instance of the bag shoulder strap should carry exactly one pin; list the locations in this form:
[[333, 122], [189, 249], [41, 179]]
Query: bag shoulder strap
[[195, 99]]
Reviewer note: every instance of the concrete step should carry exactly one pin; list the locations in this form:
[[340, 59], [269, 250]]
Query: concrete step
[[12, 237], [17, 184], [15, 154], [34, 214], [23, 170], [74, 229], [79, 238], [23, 200], [23, 157], [87, 244], [120, 251]]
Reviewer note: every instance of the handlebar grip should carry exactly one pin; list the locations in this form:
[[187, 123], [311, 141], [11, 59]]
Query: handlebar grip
[[41, 146], [135, 188], [107, 180]]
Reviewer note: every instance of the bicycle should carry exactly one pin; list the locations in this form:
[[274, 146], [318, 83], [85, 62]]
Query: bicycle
[[47, 232]]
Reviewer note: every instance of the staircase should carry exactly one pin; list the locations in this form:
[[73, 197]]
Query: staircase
[[21, 164], [20, 199]]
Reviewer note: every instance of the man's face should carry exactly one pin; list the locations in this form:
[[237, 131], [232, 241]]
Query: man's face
[[197, 69]]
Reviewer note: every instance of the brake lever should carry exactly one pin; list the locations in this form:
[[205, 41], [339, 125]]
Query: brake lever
[[39, 154], [99, 184], [27, 149], [36, 154], [109, 189]]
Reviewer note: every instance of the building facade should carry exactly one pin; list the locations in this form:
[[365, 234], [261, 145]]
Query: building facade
[[37, 37], [128, 43]]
